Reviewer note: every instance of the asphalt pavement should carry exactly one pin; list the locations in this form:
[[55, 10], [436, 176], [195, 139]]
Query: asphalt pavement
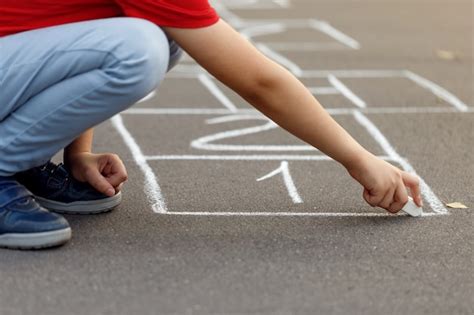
[[198, 233]]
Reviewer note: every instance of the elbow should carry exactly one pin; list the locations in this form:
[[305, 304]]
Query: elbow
[[259, 90]]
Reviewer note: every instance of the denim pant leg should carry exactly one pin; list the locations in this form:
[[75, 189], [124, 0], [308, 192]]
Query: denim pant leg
[[57, 82]]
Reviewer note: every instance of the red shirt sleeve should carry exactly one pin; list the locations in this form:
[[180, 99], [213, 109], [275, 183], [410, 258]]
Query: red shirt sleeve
[[172, 13]]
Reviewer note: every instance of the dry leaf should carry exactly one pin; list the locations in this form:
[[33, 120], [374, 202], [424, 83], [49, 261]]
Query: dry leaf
[[446, 55], [456, 205]]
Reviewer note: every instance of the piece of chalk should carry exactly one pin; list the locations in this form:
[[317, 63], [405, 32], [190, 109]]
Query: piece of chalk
[[412, 209]]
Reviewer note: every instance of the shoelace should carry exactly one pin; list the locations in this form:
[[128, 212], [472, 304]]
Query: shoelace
[[53, 169]]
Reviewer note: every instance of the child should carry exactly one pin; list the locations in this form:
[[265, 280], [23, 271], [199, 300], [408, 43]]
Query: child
[[67, 66]]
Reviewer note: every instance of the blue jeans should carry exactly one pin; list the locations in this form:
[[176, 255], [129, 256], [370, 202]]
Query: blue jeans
[[57, 82]]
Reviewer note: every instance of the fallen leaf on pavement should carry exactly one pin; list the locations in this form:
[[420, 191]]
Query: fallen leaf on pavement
[[446, 55], [456, 205]]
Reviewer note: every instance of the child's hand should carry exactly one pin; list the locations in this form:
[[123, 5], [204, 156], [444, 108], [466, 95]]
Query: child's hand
[[104, 172], [384, 184]]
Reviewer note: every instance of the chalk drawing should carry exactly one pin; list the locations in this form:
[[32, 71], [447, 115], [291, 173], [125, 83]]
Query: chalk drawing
[[205, 143], [287, 179]]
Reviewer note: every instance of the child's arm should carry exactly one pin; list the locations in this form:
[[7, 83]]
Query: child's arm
[[105, 172], [82, 144], [279, 95]]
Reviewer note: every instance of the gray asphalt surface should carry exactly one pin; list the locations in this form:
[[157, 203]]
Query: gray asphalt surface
[[134, 261]]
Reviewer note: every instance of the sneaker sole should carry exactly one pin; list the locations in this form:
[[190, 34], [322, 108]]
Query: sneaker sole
[[35, 240], [81, 207]]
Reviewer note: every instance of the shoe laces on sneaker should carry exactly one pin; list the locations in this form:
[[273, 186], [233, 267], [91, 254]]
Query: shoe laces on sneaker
[[55, 170]]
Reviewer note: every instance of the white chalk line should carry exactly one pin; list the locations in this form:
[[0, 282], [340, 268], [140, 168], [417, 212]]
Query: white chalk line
[[356, 74], [296, 214], [275, 26], [260, 30], [283, 3], [434, 202], [258, 5], [226, 14], [330, 30], [437, 90], [152, 188], [284, 170], [341, 87], [329, 90], [218, 94], [182, 71], [236, 117], [242, 24], [148, 97], [305, 46], [247, 157], [332, 111], [279, 27], [288, 23], [204, 143], [183, 111]]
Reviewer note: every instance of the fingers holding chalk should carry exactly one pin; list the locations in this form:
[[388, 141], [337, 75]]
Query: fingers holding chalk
[[412, 209]]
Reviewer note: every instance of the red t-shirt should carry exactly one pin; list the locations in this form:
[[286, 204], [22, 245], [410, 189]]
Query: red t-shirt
[[19, 15]]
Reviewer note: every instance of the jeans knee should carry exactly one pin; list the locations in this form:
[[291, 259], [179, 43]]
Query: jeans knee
[[144, 59]]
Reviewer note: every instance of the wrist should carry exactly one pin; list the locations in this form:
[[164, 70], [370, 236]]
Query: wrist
[[70, 157], [81, 145], [357, 160]]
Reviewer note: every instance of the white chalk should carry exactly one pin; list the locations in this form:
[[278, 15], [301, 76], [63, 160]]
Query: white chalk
[[412, 209]]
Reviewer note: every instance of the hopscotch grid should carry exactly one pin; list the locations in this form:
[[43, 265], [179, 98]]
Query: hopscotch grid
[[435, 204], [193, 71]]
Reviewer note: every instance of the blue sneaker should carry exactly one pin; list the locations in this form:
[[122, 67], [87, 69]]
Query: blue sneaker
[[24, 224], [56, 190]]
